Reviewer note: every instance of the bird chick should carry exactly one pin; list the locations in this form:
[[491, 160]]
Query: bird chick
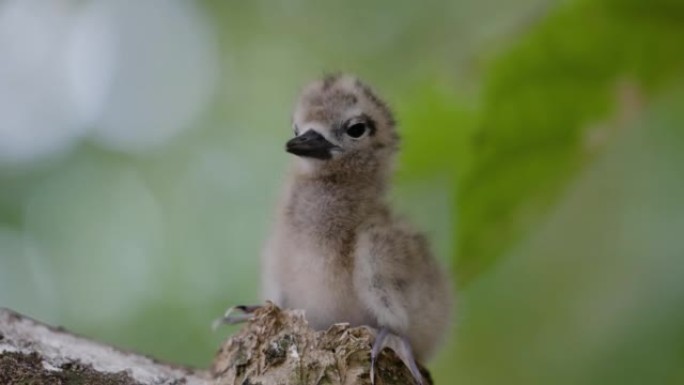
[[337, 250]]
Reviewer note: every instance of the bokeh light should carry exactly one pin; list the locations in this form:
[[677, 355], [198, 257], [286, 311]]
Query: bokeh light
[[39, 120], [162, 70]]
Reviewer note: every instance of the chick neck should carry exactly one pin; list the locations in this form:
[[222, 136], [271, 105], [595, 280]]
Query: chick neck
[[328, 204]]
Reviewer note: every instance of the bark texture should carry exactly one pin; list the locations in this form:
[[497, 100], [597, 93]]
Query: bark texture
[[278, 347], [275, 347], [35, 353]]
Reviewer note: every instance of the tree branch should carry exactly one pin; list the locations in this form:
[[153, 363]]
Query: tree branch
[[34, 353], [275, 347], [278, 347]]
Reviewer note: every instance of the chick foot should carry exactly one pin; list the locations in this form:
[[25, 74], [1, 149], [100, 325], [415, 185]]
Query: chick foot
[[402, 349], [229, 318]]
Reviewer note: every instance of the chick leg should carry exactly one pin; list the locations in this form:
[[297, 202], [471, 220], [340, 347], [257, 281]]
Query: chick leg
[[402, 349], [378, 345], [406, 355], [231, 319]]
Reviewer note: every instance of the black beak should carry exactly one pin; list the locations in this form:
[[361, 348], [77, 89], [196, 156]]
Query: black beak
[[310, 144]]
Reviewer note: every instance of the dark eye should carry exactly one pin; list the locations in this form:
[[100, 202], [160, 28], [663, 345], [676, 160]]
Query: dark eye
[[356, 130]]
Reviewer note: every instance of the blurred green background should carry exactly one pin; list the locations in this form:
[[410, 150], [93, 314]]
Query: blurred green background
[[141, 153]]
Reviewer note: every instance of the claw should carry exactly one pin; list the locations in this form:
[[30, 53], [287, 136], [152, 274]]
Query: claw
[[378, 345], [404, 352], [407, 356], [231, 319]]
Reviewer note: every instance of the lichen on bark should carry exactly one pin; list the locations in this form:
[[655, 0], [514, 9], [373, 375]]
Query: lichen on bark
[[278, 347]]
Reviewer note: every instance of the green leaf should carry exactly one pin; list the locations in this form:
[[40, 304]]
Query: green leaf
[[436, 125], [541, 98]]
